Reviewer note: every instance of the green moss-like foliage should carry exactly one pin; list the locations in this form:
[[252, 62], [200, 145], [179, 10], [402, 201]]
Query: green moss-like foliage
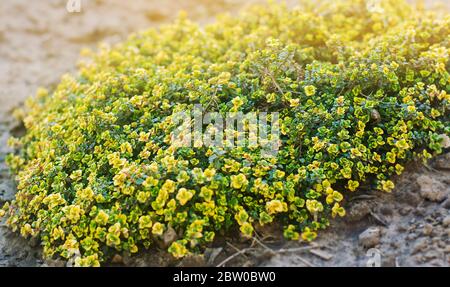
[[360, 90]]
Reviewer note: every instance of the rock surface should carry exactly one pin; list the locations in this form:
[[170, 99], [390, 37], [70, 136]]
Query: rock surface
[[431, 189], [370, 237]]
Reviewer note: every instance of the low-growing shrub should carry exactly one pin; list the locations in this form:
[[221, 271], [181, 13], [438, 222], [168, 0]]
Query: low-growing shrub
[[360, 88]]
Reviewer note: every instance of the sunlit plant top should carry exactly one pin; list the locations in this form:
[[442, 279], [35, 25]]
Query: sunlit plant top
[[361, 88]]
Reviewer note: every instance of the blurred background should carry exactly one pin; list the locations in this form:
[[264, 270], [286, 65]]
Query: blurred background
[[41, 40]]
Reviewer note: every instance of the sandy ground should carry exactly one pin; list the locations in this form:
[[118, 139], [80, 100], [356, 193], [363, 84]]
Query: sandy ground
[[40, 41]]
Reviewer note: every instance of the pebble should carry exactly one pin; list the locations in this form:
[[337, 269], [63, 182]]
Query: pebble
[[405, 210], [411, 198], [443, 162], [420, 211], [446, 221], [431, 254], [446, 203], [427, 229], [358, 211], [420, 245], [169, 236], [401, 228], [445, 141], [431, 189], [370, 237], [117, 259]]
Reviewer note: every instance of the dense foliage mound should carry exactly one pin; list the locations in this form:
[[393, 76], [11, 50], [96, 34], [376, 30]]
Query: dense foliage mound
[[360, 88]]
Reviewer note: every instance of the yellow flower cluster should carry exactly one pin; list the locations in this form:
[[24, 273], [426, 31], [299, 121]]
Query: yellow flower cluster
[[359, 93]]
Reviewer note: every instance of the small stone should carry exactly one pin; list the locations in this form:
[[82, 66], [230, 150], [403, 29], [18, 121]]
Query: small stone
[[386, 210], [401, 228], [358, 211], [431, 189], [405, 210], [427, 229], [411, 236], [418, 258], [420, 211], [443, 162], [431, 254], [395, 244], [420, 245], [446, 221], [370, 237], [169, 236], [446, 203], [445, 141], [375, 115], [410, 198], [117, 259]]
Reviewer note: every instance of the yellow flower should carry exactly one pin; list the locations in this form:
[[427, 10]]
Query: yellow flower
[[143, 137], [150, 182], [143, 196], [26, 230], [334, 196], [310, 90], [241, 216], [239, 181], [337, 210], [308, 235], [246, 229], [168, 186], [184, 195], [279, 174], [402, 144], [145, 222], [158, 228], [178, 250], [54, 200], [85, 194], [352, 185], [237, 103], [294, 103], [276, 206], [314, 206], [387, 185], [346, 172], [57, 233], [206, 193], [411, 109], [399, 169], [390, 156], [126, 148], [209, 173], [183, 176], [73, 213], [102, 218], [76, 175], [88, 261]]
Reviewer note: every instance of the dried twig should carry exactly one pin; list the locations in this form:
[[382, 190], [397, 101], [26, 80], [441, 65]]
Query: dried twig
[[235, 255], [235, 248], [264, 246], [378, 219], [306, 262], [322, 254], [298, 249], [363, 197]]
